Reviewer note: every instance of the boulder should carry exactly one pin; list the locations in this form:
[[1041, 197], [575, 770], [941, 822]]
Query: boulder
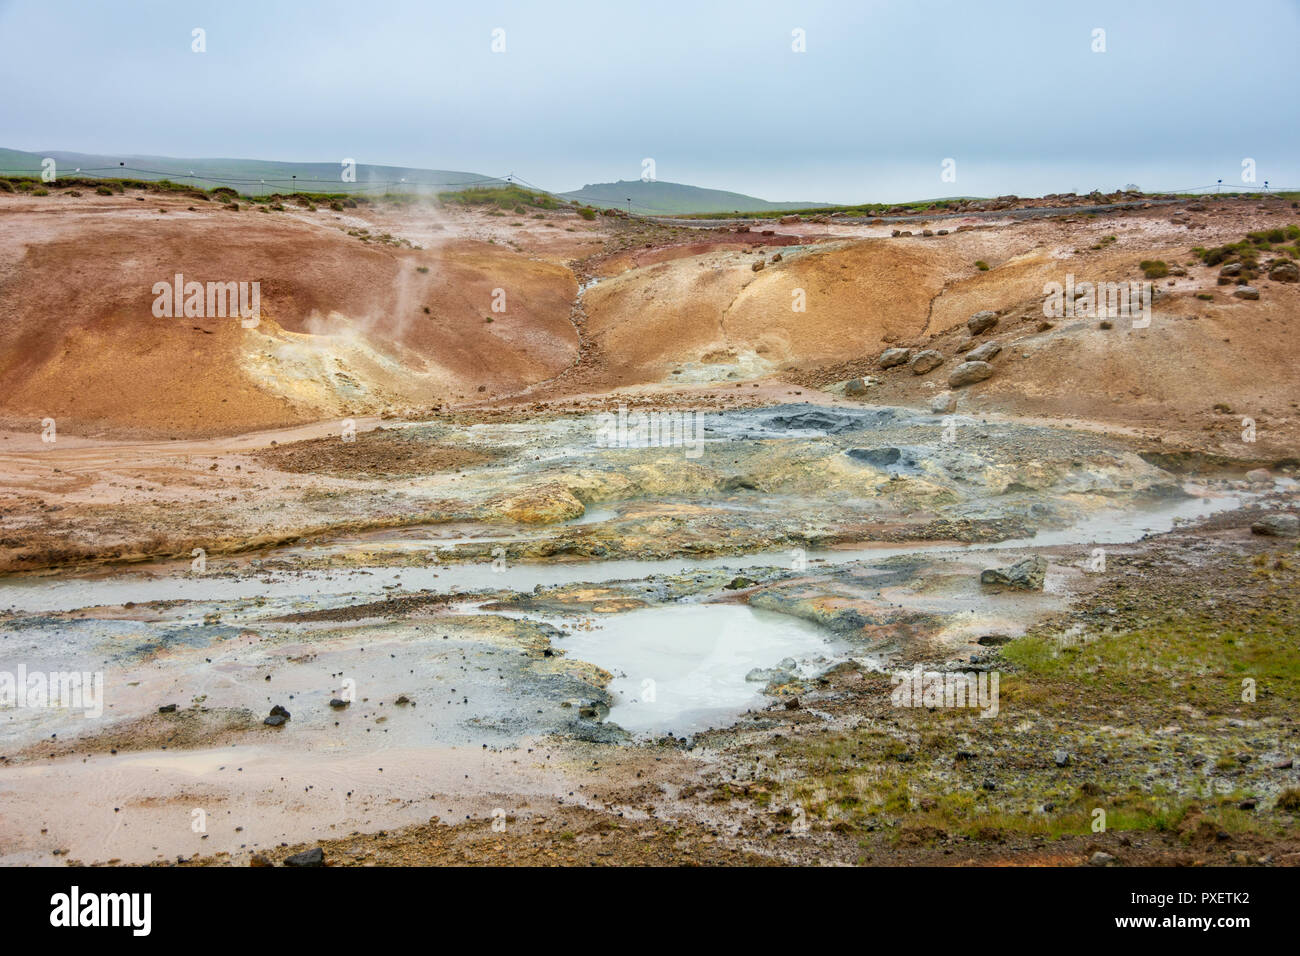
[[969, 372], [1246, 292], [1285, 271], [944, 403], [313, 857], [1026, 575], [926, 361], [1279, 524], [891, 357], [981, 322], [1231, 269], [984, 352], [857, 386], [1259, 476]]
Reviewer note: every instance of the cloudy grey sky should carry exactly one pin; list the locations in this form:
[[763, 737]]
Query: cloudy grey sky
[[712, 91]]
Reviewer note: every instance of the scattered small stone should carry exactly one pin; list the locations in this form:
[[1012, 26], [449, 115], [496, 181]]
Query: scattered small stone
[[1101, 858]]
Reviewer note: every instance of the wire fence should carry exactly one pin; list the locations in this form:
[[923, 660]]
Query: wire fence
[[1228, 188]]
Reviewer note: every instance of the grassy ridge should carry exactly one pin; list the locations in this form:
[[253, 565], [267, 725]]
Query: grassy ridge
[[245, 175], [674, 199]]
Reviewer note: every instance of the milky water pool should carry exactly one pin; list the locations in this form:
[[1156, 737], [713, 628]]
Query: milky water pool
[[682, 669]]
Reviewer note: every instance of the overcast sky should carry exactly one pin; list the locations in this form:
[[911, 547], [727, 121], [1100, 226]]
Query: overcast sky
[[713, 92]]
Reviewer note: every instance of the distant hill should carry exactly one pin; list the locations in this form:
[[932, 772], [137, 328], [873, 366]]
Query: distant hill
[[257, 176], [670, 199], [244, 175]]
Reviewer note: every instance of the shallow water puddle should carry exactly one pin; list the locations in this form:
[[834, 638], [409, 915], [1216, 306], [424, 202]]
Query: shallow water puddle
[[682, 668], [34, 593]]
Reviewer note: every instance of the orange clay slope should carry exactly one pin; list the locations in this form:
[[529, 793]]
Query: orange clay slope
[[346, 326], [353, 327]]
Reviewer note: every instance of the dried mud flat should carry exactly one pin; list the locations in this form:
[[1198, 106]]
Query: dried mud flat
[[504, 638]]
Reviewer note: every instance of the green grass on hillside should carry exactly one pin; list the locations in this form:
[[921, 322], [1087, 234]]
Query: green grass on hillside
[[504, 197]]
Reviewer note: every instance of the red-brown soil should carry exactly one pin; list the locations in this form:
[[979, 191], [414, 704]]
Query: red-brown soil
[[344, 331]]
